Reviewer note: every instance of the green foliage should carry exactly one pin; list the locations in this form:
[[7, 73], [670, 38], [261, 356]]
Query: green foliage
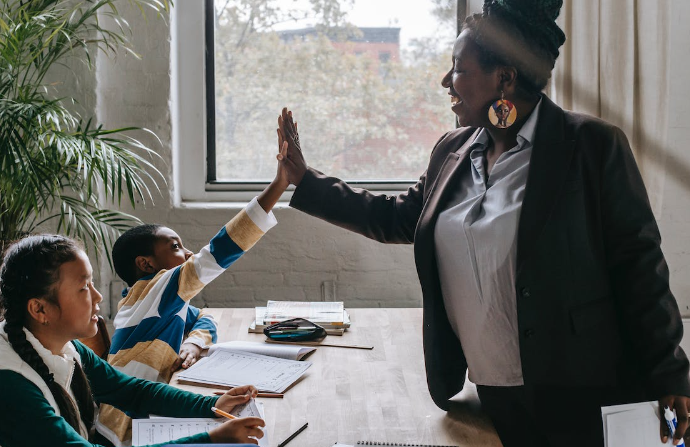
[[56, 165], [358, 117]]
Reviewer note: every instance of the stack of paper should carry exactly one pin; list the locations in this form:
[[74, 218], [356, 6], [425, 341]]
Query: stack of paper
[[157, 430], [235, 368], [332, 316], [631, 425], [319, 312]]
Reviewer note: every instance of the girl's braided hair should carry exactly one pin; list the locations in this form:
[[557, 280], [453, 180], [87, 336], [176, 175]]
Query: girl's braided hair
[[31, 269]]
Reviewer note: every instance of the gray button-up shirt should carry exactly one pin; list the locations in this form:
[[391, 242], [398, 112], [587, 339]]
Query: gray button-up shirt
[[476, 251]]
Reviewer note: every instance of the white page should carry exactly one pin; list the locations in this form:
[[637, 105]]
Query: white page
[[233, 368], [164, 429], [315, 311], [631, 425], [157, 430], [290, 352]]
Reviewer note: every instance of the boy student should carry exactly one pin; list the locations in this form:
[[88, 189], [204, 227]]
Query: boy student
[[163, 276]]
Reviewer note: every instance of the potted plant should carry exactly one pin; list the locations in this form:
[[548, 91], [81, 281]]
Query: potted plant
[[55, 165]]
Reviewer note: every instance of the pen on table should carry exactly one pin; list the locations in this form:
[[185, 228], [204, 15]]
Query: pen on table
[[278, 395], [290, 331], [292, 436], [672, 422], [309, 343], [223, 413]]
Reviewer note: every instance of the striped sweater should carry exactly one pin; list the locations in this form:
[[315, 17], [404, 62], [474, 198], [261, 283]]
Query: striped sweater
[[154, 316]]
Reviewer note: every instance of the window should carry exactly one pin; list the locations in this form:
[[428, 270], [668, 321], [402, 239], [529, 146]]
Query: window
[[361, 76]]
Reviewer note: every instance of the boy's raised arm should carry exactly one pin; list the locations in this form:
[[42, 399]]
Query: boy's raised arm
[[269, 196]]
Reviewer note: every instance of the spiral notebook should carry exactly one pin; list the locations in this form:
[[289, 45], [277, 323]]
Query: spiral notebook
[[389, 444]]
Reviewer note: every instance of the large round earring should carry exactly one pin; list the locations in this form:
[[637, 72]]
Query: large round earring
[[502, 113]]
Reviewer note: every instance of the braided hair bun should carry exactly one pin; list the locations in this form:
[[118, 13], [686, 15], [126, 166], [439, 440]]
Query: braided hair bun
[[518, 33], [536, 18]]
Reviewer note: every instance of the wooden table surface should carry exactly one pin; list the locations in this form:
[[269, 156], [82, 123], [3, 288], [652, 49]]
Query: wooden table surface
[[348, 395]]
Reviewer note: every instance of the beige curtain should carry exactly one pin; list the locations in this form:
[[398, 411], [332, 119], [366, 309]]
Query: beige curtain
[[614, 65]]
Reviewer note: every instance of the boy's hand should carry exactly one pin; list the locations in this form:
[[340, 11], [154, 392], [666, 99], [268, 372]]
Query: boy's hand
[[282, 179], [238, 430], [236, 396], [189, 354]]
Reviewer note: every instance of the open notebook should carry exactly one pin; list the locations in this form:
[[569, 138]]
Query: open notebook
[[290, 352], [235, 368]]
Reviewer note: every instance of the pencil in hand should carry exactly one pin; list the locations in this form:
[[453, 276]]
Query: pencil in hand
[[278, 395], [223, 413]]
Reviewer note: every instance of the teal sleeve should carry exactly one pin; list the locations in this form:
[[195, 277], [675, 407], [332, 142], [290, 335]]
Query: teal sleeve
[[138, 396], [28, 420]]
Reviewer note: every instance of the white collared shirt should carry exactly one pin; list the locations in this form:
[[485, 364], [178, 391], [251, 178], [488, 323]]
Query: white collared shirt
[[62, 367], [476, 251]]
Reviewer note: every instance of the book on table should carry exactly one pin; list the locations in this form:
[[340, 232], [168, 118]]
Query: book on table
[[231, 368], [331, 313], [332, 316]]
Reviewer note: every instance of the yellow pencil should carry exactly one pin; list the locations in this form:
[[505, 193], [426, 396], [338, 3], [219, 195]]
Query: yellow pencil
[[278, 395], [223, 413]]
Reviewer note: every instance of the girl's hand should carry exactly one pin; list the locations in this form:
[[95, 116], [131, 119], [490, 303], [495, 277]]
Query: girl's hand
[[238, 430], [236, 396], [290, 153]]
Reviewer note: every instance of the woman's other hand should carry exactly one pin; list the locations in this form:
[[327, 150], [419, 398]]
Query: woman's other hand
[[236, 396], [290, 153], [682, 406], [238, 430]]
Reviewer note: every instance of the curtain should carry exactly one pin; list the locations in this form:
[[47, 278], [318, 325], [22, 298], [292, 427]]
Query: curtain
[[614, 65]]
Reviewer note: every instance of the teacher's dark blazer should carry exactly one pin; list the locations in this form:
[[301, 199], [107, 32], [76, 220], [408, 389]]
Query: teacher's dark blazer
[[593, 301]]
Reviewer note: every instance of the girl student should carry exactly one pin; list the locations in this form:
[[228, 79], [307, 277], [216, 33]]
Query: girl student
[[50, 382]]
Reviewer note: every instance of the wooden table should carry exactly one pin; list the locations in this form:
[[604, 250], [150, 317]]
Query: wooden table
[[351, 394]]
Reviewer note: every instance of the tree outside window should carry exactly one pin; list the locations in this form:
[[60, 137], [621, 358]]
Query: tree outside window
[[368, 106]]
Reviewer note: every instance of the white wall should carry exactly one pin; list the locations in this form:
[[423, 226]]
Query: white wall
[[295, 259]]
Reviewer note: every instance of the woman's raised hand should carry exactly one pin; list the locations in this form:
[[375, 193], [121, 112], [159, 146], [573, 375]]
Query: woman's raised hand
[[290, 158]]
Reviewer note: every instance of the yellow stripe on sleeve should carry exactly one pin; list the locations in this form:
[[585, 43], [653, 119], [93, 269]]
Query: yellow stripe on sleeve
[[117, 422], [203, 334], [243, 231], [190, 285]]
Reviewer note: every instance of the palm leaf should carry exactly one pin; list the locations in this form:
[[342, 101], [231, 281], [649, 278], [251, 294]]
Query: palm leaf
[[57, 166]]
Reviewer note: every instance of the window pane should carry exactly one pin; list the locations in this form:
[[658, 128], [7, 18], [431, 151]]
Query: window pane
[[361, 76]]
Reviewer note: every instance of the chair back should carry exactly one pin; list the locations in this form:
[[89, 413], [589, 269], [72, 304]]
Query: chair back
[[99, 343]]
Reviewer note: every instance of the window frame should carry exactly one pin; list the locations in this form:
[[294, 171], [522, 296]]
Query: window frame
[[193, 113]]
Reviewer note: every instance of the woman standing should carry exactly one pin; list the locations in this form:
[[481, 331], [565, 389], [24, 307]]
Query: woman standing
[[536, 248]]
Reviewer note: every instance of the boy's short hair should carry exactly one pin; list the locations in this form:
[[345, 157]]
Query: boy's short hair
[[137, 241]]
